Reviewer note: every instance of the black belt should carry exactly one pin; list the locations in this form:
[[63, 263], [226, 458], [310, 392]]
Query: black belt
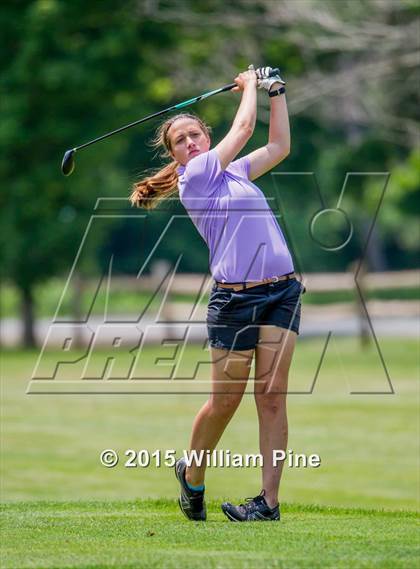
[[245, 285]]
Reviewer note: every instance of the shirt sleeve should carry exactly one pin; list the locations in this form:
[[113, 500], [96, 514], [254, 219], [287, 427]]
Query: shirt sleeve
[[203, 173], [241, 167]]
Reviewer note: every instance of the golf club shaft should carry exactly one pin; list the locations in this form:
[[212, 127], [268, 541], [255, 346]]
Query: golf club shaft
[[173, 108]]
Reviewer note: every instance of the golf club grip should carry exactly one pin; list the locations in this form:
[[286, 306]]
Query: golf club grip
[[273, 72]]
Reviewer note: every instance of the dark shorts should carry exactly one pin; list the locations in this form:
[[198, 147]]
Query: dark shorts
[[234, 317]]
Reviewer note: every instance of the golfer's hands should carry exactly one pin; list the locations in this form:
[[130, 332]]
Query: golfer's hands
[[265, 81], [247, 79]]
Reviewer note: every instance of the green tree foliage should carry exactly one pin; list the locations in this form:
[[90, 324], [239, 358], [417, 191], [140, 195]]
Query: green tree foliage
[[71, 70]]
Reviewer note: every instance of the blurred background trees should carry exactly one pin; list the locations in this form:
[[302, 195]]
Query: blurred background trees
[[74, 70]]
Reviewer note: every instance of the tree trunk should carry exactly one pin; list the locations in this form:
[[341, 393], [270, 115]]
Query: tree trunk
[[27, 313], [77, 301], [364, 337], [375, 255]]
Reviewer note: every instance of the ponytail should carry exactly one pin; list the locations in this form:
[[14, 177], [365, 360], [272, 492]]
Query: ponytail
[[148, 192]]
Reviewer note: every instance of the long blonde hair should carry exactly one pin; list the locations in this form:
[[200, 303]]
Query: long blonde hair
[[163, 182]]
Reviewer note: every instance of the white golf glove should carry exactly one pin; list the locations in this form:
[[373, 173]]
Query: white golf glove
[[264, 79]]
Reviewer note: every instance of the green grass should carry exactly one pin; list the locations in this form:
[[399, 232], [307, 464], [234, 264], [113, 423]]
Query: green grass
[[151, 534], [368, 445], [129, 302]]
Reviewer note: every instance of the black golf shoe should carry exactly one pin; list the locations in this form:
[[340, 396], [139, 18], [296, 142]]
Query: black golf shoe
[[191, 503], [254, 510]]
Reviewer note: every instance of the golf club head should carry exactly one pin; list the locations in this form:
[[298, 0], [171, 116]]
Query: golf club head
[[67, 165]]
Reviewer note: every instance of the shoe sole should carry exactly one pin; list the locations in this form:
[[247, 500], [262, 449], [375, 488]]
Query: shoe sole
[[182, 510], [179, 499], [227, 514], [187, 516]]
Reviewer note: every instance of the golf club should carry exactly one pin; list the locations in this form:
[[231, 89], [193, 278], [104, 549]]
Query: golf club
[[67, 164]]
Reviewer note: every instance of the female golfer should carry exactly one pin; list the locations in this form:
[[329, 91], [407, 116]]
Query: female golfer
[[254, 306]]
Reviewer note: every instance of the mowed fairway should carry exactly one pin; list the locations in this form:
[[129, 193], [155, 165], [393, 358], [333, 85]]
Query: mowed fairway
[[63, 509], [151, 534]]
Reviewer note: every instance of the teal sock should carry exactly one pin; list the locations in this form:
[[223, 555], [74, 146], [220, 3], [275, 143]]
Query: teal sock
[[195, 488]]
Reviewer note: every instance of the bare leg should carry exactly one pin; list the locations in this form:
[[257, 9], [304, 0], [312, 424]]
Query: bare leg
[[272, 362], [230, 373]]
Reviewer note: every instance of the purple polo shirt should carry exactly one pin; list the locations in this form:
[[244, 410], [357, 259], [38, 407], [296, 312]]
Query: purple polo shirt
[[233, 217]]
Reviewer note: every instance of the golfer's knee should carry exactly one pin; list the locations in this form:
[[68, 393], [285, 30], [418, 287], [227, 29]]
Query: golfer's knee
[[271, 404]]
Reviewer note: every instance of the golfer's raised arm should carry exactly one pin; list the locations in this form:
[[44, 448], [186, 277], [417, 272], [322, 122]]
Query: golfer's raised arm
[[244, 122], [279, 132], [277, 148]]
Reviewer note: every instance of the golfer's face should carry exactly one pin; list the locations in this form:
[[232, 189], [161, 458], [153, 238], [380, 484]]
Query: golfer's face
[[187, 140]]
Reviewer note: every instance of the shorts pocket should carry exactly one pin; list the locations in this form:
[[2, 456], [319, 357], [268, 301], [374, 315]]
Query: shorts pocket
[[220, 299]]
